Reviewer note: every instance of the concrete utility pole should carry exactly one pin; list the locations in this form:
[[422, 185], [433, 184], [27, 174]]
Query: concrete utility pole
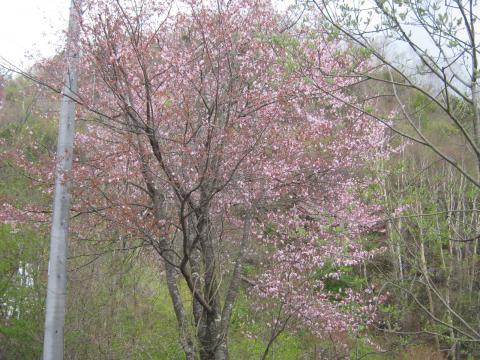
[[57, 276]]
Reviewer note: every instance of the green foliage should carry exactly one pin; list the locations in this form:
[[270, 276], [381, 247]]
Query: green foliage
[[249, 336], [348, 278], [124, 309], [285, 40], [362, 349], [22, 285], [23, 250], [248, 269], [359, 53], [290, 45], [345, 281], [421, 102]]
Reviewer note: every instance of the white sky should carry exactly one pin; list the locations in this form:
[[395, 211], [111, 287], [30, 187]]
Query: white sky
[[33, 27]]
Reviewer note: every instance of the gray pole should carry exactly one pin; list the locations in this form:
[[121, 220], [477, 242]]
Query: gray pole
[[57, 277]]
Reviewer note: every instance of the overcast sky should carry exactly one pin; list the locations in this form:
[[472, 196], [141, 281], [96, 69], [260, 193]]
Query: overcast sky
[[31, 27]]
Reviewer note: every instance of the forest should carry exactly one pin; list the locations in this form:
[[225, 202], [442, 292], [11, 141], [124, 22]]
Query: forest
[[244, 179]]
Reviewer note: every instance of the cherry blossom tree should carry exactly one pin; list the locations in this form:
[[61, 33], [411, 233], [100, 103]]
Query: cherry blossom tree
[[204, 138]]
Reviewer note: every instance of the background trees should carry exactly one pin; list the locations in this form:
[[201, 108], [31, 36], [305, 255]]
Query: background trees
[[441, 42], [425, 69]]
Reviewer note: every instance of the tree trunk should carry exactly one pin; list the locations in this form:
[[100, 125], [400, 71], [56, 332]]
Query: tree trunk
[[427, 286], [185, 338], [476, 112]]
